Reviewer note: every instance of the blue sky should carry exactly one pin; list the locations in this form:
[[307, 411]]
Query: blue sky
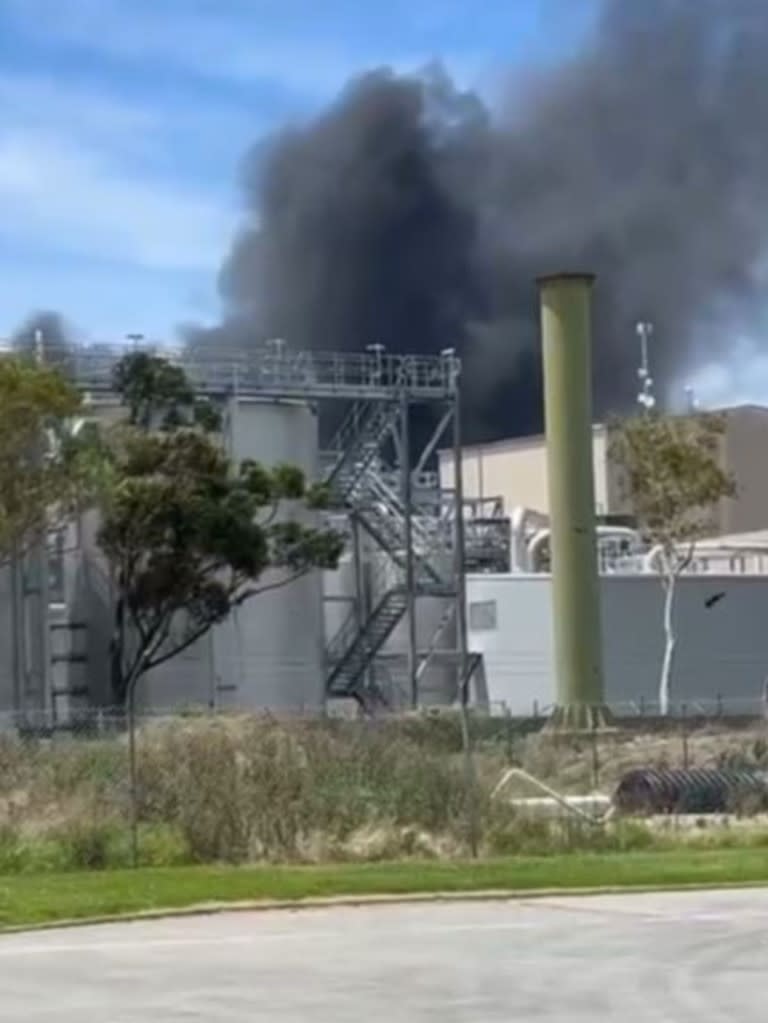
[[124, 121]]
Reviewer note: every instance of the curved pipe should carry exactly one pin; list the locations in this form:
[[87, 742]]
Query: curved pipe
[[603, 532], [520, 521]]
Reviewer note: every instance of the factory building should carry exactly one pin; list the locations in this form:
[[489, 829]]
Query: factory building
[[722, 654], [514, 472], [444, 583]]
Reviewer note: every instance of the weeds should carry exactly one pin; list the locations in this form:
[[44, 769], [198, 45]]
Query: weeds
[[248, 789]]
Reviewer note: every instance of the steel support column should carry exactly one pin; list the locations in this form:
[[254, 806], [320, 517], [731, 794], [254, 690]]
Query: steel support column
[[459, 555], [406, 482]]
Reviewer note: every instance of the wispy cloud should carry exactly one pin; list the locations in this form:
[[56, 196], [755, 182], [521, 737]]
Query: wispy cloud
[[247, 43], [214, 43], [71, 199], [124, 120]]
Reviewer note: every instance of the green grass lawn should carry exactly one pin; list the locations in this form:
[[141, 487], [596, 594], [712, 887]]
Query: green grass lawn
[[45, 898]]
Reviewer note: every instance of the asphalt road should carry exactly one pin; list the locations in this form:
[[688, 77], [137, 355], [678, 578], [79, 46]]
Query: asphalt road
[[678, 957]]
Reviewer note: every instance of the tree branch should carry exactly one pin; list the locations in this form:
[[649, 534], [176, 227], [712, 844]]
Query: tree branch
[[206, 626], [272, 586]]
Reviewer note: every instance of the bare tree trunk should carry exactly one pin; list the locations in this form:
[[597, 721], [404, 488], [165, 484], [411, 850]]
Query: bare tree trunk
[[670, 641]]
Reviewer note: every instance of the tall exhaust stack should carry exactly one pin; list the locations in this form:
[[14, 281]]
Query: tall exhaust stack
[[566, 342]]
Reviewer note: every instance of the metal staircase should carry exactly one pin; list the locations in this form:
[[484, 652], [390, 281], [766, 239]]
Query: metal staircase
[[358, 484], [357, 444], [352, 650]]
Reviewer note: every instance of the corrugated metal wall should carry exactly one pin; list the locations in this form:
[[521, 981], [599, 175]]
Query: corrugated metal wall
[[722, 652]]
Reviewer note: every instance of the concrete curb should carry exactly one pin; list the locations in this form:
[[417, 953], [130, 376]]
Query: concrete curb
[[356, 901]]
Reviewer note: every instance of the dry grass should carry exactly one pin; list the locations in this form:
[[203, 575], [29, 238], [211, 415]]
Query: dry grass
[[248, 789], [576, 766]]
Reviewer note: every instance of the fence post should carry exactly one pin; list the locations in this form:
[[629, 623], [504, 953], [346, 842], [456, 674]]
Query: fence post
[[595, 757], [684, 726], [134, 783]]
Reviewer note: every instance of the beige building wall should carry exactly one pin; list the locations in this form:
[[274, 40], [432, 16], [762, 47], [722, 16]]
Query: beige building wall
[[745, 456], [516, 471]]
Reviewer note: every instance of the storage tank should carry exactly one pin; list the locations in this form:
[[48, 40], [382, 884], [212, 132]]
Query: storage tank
[[435, 631], [269, 655], [24, 676], [8, 697], [339, 595], [437, 683]]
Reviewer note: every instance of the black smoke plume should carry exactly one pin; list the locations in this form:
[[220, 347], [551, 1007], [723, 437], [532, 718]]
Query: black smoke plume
[[410, 213], [45, 335]]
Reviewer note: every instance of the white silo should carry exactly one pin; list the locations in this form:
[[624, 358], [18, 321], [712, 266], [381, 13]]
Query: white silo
[[269, 655], [8, 666], [435, 626]]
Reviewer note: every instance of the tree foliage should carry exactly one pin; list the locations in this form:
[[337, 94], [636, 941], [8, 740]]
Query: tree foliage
[[40, 472], [672, 480], [189, 535], [671, 474], [159, 395]]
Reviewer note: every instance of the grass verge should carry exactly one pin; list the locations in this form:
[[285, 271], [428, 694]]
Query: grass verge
[[27, 900]]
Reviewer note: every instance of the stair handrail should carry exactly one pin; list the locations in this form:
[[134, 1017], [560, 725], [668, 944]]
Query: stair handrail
[[380, 585], [362, 421]]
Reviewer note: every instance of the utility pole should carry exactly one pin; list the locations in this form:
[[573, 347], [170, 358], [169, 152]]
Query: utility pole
[[645, 398]]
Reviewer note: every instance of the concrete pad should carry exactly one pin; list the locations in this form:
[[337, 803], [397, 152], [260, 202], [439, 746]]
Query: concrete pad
[[635, 958]]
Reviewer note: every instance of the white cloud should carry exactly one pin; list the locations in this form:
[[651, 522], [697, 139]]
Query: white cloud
[[238, 43], [43, 101], [71, 199], [97, 173], [215, 45], [743, 380]]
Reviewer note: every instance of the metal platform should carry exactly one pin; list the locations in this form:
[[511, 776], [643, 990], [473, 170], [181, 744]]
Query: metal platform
[[279, 372]]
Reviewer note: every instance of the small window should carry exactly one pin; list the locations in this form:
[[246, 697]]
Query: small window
[[482, 615]]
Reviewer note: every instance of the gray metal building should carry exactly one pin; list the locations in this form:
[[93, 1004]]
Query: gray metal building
[[721, 658]]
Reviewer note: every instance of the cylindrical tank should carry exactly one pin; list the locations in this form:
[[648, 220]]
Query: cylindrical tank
[[269, 655], [8, 686], [437, 683], [340, 594]]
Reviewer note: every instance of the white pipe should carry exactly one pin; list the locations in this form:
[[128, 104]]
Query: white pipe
[[563, 801], [521, 521], [518, 551], [650, 557], [603, 532]]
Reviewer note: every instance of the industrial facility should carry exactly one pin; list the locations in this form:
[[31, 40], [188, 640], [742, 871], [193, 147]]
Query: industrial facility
[[445, 586]]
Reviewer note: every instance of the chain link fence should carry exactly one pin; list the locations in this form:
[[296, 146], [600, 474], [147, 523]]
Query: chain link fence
[[239, 787]]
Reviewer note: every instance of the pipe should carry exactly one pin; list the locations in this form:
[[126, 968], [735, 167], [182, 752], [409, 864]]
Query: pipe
[[566, 342], [603, 533], [518, 548], [703, 790], [566, 802], [522, 518]]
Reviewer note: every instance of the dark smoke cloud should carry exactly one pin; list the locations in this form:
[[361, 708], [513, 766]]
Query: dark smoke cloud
[[410, 214], [46, 334]]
